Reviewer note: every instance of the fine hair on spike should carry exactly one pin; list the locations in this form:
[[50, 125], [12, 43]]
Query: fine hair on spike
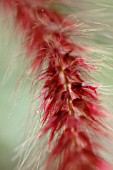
[[69, 46]]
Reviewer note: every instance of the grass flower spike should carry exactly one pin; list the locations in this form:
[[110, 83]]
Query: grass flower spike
[[73, 123]]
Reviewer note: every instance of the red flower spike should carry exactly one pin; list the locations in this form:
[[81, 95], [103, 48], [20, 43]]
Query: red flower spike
[[72, 115]]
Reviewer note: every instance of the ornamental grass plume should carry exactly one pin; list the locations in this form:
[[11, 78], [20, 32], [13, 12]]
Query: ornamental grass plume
[[73, 119]]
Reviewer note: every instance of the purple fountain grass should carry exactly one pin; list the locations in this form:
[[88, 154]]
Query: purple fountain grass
[[72, 110]]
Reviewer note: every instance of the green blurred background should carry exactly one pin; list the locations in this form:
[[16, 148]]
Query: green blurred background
[[13, 108]]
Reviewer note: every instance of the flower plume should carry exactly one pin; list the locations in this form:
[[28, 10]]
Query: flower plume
[[73, 115]]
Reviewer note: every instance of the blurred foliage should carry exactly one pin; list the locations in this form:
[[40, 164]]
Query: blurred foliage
[[13, 109]]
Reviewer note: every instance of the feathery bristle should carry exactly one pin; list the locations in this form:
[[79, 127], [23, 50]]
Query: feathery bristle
[[73, 117]]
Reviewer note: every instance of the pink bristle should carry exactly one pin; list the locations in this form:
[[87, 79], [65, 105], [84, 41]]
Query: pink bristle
[[72, 113]]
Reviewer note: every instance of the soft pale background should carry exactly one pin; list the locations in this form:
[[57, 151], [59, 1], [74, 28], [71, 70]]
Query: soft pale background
[[13, 110]]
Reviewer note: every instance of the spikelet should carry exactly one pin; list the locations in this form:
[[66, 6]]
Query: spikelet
[[61, 40]]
